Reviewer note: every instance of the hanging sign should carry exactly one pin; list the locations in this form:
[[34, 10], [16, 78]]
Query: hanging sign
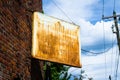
[[55, 40]]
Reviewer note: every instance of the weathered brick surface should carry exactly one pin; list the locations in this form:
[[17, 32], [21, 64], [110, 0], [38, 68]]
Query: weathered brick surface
[[15, 38]]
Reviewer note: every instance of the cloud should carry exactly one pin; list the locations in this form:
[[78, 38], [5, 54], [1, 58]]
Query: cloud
[[75, 9], [93, 37], [94, 66], [91, 10]]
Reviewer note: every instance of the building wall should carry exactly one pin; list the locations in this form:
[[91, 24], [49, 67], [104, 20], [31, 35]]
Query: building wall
[[16, 61]]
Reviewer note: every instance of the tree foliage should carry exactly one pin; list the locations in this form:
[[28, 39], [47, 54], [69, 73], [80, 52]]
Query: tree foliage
[[58, 71]]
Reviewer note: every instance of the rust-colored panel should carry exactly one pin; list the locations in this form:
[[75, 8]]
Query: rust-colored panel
[[55, 40]]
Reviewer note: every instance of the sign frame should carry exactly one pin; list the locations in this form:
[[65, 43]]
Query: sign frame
[[49, 44]]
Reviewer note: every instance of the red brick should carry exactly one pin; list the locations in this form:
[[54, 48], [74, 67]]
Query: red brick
[[15, 38]]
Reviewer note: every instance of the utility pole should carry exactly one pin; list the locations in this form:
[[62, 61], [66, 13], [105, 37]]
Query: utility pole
[[48, 71], [117, 34], [109, 77]]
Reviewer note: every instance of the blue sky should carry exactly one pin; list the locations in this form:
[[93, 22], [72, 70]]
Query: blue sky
[[94, 36]]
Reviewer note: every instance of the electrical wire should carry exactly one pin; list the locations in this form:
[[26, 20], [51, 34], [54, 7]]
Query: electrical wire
[[103, 10], [62, 11], [116, 63], [104, 41], [112, 56], [117, 53], [98, 52], [113, 59], [114, 6], [104, 46]]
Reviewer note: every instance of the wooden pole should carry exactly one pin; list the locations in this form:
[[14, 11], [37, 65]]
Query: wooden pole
[[118, 37]]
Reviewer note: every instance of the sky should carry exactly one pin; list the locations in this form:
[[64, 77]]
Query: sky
[[95, 34]]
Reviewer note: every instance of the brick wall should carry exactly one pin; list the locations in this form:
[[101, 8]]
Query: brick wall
[[15, 40]]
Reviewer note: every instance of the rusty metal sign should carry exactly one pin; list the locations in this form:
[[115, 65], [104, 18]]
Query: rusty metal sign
[[55, 40]]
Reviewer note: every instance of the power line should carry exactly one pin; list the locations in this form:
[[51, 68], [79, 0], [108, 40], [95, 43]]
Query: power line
[[117, 56], [114, 6], [118, 40], [62, 11], [104, 39], [112, 56], [95, 52], [103, 10], [101, 51], [117, 35], [116, 63], [104, 50]]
